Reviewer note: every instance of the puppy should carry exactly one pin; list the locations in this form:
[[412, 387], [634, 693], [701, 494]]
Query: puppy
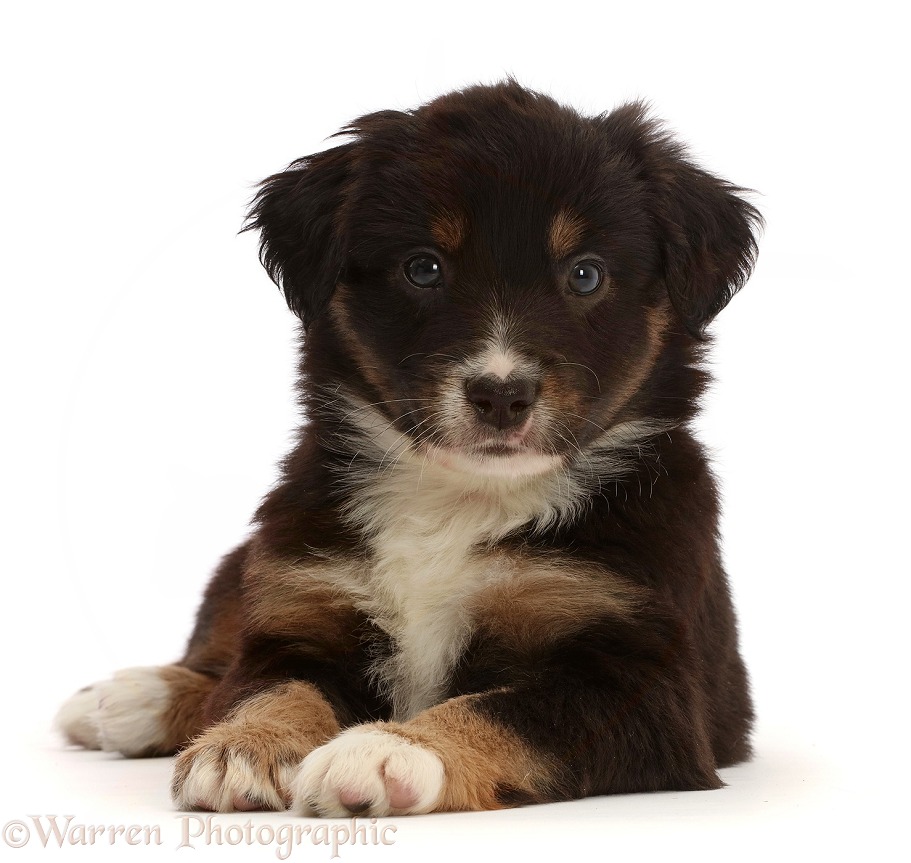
[[489, 574]]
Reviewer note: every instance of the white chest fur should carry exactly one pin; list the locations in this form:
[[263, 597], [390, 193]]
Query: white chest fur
[[431, 539], [431, 533], [424, 571]]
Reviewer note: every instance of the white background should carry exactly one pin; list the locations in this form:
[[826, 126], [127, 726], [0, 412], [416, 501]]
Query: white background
[[147, 370]]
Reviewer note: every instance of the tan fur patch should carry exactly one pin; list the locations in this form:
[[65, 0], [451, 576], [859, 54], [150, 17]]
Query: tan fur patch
[[547, 602], [659, 318], [286, 598], [559, 405], [449, 230], [251, 757], [480, 758], [296, 706], [184, 718], [566, 233], [361, 353]]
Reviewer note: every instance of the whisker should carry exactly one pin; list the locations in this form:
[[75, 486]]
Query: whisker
[[588, 369], [586, 419], [430, 356], [382, 431], [377, 404], [409, 437]]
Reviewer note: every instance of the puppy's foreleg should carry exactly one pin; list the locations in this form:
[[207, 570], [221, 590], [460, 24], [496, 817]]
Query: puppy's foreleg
[[139, 712], [597, 713], [248, 760]]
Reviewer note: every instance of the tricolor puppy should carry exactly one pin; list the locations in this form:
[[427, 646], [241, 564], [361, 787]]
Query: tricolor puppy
[[489, 574]]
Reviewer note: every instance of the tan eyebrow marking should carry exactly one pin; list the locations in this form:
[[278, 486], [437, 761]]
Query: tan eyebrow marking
[[565, 233], [449, 230]]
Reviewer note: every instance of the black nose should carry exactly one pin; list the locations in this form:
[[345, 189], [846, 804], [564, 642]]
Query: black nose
[[502, 403]]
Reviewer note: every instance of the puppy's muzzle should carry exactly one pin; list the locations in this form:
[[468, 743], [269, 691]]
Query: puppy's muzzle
[[502, 403]]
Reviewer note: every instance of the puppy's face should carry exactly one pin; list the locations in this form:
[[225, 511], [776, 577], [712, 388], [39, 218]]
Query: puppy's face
[[498, 278]]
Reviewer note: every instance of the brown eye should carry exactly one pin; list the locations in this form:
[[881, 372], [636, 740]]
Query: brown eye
[[424, 271], [586, 277]]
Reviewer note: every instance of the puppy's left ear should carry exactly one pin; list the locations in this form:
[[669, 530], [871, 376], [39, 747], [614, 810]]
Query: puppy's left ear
[[707, 231], [296, 213]]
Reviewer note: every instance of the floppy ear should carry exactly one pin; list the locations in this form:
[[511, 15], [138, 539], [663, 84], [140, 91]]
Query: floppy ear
[[707, 231], [296, 213]]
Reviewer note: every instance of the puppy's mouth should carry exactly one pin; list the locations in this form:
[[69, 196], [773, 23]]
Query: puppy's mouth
[[514, 464], [473, 445], [501, 458], [493, 450], [503, 442]]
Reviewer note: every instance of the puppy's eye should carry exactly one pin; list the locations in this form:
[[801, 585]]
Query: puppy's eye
[[585, 277], [424, 271]]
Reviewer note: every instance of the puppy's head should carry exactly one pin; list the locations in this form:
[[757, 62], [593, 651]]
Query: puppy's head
[[505, 284]]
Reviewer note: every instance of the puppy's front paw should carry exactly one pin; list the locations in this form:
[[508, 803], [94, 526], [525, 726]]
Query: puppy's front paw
[[77, 719], [126, 714], [366, 770], [236, 769]]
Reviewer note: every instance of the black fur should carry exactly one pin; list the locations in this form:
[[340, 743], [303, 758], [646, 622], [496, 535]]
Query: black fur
[[619, 671]]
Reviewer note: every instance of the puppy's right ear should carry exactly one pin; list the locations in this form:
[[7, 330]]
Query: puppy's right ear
[[296, 213]]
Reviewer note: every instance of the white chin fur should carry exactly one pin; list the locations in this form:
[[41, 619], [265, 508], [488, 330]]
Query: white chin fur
[[517, 465]]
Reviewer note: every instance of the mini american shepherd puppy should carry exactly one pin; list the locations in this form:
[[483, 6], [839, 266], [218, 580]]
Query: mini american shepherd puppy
[[489, 574]]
